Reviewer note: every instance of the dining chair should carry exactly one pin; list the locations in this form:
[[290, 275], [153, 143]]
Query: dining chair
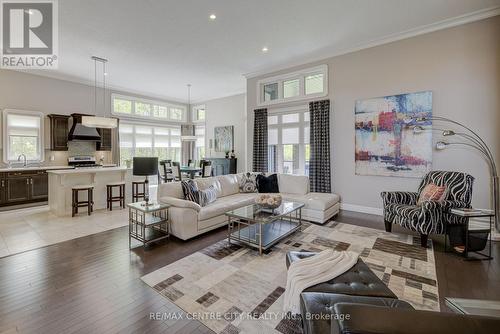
[[206, 168], [165, 172], [176, 171]]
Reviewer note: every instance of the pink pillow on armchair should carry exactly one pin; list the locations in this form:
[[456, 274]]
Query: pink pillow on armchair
[[432, 192]]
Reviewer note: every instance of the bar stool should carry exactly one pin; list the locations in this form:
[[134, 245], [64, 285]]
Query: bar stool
[[109, 196], [76, 203], [136, 194]]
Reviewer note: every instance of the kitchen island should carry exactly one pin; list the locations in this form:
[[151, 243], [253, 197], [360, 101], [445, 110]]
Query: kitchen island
[[61, 181]]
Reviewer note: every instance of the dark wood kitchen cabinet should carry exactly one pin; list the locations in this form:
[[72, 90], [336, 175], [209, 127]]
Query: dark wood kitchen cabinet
[[2, 188], [59, 128], [39, 186], [24, 187], [17, 188], [106, 140]]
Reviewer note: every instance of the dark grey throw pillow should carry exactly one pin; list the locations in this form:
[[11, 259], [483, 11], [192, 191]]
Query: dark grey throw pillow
[[267, 184], [190, 190]]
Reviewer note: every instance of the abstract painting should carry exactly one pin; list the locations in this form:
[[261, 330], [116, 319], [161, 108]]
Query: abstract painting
[[386, 143], [223, 136]]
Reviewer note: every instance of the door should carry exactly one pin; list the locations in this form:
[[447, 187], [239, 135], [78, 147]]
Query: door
[[17, 188], [39, 186]]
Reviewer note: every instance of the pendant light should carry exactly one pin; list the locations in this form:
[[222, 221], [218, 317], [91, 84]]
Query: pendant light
[[98, 121], [187, 130]]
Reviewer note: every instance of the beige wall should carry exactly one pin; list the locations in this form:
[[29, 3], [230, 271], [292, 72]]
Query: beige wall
[[460, 65], [51, 96], [228, 111]]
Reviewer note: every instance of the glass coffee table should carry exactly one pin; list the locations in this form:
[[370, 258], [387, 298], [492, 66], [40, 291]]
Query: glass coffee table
[[490, 308], [255, 226]]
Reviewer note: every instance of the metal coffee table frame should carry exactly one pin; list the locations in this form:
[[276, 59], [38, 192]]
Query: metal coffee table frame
[[263, 229]]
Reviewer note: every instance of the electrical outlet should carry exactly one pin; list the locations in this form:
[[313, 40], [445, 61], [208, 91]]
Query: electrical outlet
[[52, 158]]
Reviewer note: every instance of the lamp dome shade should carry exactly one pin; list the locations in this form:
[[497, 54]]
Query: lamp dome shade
[[145, 166]]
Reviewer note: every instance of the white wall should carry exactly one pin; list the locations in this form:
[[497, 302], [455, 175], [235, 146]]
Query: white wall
[[25, 91], [228, 111], [460, 65]]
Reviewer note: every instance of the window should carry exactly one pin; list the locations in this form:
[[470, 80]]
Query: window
[[271, 92], [23, 134], [153, 110], [122, 106], [288, 140], [291, 88], [300, 85], [199, 113], [176, 114], [314, 84], [144, 140], [200, 142]]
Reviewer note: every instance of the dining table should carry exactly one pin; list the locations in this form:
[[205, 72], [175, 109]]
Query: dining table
[[190, 170]]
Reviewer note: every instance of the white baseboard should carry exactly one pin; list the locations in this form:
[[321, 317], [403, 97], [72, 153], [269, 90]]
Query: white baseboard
[[361, 208]]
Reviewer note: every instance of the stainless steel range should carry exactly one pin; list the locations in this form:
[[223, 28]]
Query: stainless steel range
[[83, 162]]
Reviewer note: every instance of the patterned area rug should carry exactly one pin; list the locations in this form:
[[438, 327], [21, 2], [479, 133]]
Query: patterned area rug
[[231, 289]]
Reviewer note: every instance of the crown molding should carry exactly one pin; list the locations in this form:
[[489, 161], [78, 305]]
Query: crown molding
[[440, 25], [110, 88]]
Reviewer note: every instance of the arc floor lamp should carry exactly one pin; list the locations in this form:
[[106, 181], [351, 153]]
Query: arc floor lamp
[[468, 138]]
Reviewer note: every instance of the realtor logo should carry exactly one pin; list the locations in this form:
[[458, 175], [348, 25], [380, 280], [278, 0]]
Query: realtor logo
[[29, 34]]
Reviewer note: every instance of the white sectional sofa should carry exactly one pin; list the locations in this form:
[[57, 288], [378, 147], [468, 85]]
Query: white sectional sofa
[[188, 219]]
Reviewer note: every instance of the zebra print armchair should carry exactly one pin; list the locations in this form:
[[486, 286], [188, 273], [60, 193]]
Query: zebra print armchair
[[429, 217]]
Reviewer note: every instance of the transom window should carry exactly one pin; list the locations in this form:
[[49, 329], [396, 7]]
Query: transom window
[[288, 140], [22, 134], [199, 113], [134, 107], [300, 85], [145, 140]]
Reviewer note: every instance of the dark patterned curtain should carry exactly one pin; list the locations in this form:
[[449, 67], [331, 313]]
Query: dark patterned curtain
[[319, 168], [260, 141]]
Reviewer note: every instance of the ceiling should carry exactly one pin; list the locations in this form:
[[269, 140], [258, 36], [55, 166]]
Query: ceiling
[[156, 47]]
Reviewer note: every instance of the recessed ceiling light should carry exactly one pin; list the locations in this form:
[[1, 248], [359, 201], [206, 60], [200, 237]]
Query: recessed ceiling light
[[105, 73], [265, 49], [212, 17]]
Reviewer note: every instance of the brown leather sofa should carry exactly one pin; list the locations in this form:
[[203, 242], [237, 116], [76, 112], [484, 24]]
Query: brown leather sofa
[[359, 302]]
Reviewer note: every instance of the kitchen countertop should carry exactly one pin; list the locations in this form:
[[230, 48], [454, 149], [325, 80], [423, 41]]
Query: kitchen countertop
[[88, 170], [28, 168]]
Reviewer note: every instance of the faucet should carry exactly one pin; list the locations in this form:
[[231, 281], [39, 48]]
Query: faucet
[[19, 159]]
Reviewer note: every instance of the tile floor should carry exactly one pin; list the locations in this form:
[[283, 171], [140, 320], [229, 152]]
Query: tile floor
[[27, 229]]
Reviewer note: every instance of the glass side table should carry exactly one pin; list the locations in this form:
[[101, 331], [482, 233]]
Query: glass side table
[[147, 224], [477, 238]]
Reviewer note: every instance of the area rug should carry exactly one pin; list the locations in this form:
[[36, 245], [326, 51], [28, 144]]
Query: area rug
[[231, 289]]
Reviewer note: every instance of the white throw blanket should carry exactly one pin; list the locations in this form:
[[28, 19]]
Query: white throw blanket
[[319, 268]]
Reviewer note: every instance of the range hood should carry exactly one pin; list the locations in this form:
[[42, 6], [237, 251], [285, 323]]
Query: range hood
[[79, 132]]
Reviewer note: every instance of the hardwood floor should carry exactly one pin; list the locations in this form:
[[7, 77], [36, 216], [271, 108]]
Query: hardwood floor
[[92, 284]]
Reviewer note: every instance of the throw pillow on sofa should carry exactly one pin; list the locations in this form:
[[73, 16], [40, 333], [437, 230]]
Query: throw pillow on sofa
[[248, 183], [207, 196], [190, 190], [267, 184], [432, 192], [193, 194]]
